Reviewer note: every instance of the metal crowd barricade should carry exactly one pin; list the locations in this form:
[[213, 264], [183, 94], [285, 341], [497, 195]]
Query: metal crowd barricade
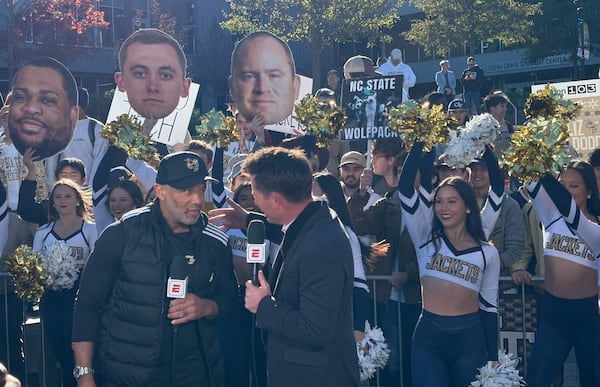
[[34, 351], [525, 335]]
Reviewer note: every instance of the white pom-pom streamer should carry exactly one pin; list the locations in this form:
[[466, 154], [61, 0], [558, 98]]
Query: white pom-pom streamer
[[60, 266], [480, 131], [504, 374], [373, 352]]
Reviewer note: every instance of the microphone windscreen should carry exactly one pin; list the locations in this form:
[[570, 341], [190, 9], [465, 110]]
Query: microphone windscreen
[[178, 267], [256, 232]]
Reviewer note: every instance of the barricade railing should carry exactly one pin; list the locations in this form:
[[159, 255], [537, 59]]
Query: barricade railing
[[35, 355]]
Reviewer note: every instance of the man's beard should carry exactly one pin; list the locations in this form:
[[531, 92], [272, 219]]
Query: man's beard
[[354, 184]]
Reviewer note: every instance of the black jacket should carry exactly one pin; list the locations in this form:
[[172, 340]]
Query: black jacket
[[132, 310]]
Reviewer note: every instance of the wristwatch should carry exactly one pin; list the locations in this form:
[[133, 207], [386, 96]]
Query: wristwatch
[[79, 371]]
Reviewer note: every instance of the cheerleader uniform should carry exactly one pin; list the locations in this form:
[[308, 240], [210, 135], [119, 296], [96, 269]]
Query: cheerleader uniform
[[448, 350], [56, 306], [565, 323]]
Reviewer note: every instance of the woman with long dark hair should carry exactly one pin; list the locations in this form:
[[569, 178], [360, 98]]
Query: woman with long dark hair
[[570, 307], [70, 213], [457, 331], [325, 184]]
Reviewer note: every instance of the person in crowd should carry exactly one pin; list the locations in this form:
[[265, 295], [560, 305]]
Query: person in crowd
[[446, 81], [587, 228], [473, 81], [497, 105], [386, 161], [215, 194], [152, 71], [508, 234], [571, 277], [87, 144], [395, 66], [305, 313], [352, 166], [594, 161], [54, 123], [237, 332], [318, 157], [336, 147], [71, 221], [6, 379], [458, 110], [327, 187], [237, 176], [128, 270], [445, 170], [334, 83], [124, 194], [35, 211], [458, 328], [401, 294], [254, 90], [245, 143]]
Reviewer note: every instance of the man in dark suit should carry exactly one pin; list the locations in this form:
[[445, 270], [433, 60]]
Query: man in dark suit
[[305, 307]]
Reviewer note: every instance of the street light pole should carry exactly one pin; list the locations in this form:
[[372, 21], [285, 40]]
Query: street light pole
[[580, 54]]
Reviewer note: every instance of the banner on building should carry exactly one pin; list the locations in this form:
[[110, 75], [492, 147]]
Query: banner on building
[[366, 102], [584, 130]]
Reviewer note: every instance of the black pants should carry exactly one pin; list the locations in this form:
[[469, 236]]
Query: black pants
[[563, 324], [447, 350], [56, 308]]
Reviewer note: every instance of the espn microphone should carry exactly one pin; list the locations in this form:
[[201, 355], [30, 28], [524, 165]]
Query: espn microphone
[[177, 282], [255, 249]]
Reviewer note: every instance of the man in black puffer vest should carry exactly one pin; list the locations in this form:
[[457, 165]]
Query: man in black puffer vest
[[123, 331]]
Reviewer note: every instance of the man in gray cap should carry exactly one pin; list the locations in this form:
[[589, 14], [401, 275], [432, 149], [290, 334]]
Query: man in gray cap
[[122, 302]]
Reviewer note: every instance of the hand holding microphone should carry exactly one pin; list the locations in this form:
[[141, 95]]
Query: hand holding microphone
[[184, 306], [254, 294], [255, 248]]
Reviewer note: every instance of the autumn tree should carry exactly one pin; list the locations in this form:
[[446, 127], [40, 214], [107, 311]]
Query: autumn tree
[[63, 29], [448, 25], [317, 23]]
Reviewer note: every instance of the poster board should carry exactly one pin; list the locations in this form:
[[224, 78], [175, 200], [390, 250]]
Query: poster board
[[366, 102], [584, 130], [169, 130]]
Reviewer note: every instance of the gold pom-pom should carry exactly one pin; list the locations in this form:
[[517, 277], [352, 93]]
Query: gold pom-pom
[[24, 267], [550, 103], [127, 133], [322, 119], [216, 128], [538, 147], [414, 122]]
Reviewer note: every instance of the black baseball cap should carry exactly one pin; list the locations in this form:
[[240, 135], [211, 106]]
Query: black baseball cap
[[182, 170]]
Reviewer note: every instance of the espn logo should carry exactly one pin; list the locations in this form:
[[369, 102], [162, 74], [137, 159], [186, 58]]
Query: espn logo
[[255, 253], [176, 288]]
